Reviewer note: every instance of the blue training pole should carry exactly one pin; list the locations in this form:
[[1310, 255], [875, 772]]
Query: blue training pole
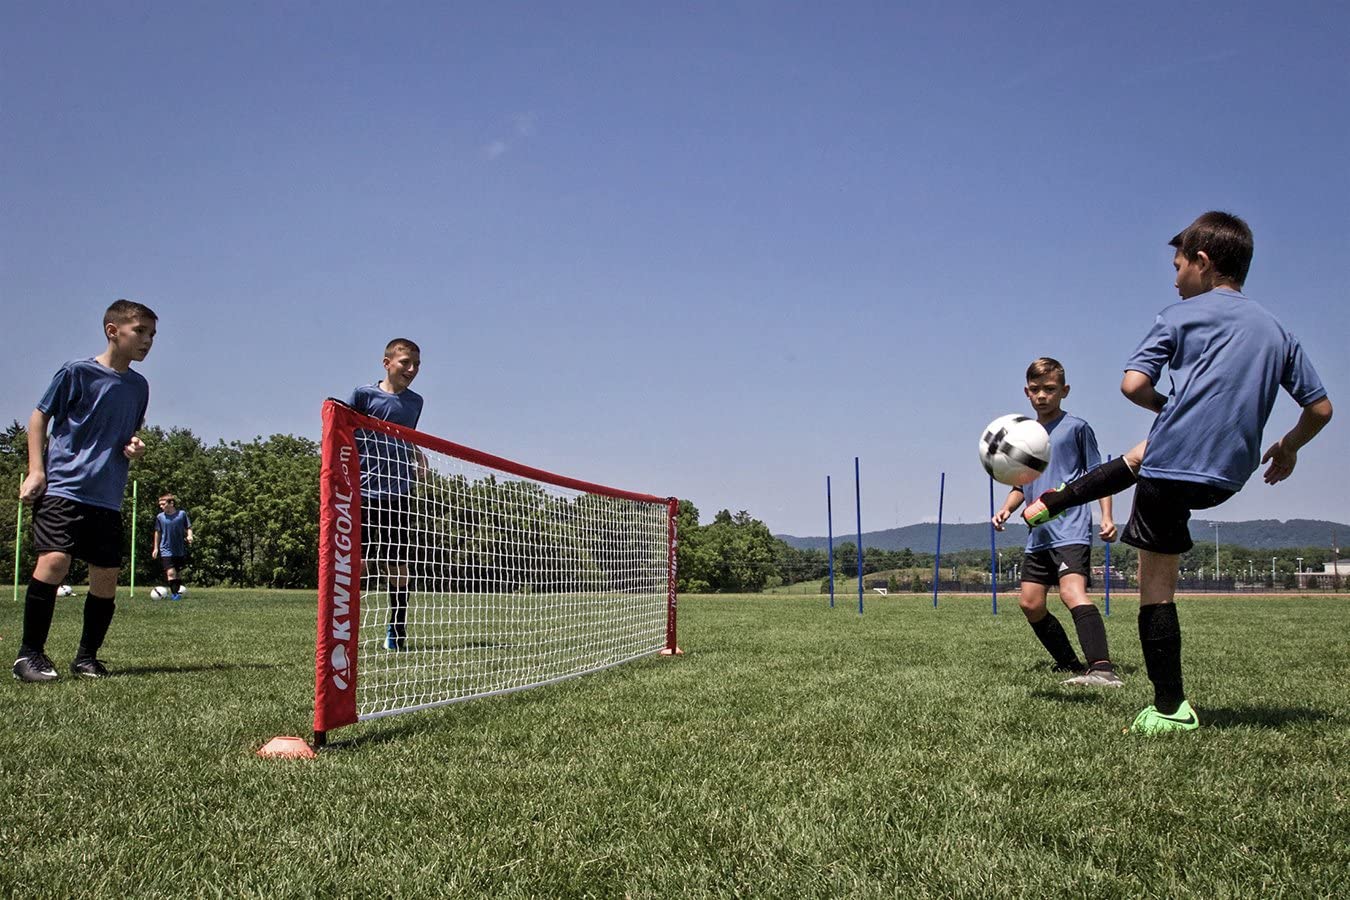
[[937, 556], [857, 498], [829, 515], [1106, 568], [993, 552]]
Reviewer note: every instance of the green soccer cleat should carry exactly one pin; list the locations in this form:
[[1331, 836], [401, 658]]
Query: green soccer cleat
[[1035, 512], [1151, 722]]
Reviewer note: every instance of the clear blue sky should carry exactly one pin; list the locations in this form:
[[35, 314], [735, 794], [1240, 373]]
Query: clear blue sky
[[713, 250]]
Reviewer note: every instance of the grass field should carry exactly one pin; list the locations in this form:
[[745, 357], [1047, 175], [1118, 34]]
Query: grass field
[[795, 751]]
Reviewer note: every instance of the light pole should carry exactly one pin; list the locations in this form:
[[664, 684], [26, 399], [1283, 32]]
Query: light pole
[[1216, 549], [1300, 572]]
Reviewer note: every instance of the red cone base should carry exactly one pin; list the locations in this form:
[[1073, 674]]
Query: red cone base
[[286, 748]]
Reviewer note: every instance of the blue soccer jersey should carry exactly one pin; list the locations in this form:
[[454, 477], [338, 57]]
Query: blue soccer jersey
[[387, 463], [173, 533], [1228, 358], [1073, 452], [95, 411]]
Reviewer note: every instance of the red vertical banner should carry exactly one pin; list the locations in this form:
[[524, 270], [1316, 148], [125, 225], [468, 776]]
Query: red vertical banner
[[673, 539], [339, 571]]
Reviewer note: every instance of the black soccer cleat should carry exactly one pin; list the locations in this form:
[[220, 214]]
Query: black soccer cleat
[[35, 667], [88, 667]]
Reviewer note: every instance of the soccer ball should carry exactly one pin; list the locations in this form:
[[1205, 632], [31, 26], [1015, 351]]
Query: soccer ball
[[1014, 449], [64, 591], [158, 593]]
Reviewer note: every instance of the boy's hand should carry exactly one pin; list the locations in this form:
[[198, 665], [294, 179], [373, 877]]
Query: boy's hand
[[999, 518], [134, 449], [33, 487], [1282, 461], [1108, 530], [154, 551]]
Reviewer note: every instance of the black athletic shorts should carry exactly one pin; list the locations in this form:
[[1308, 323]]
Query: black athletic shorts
[[90, 533], [172, 562], [1159, 520], [1048, 566], [385, 533]]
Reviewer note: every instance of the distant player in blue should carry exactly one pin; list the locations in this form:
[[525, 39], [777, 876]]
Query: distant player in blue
[[389, 471], [1228, 358], [76, 479], [173, 534], [1059, 553]]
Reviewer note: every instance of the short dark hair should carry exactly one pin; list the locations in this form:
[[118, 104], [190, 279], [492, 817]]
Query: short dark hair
[[163, 497], [404, 343], [1224, 238], [1046, 365], [123, 311]]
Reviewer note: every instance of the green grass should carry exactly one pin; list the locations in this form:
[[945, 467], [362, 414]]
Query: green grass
[[794, 751]]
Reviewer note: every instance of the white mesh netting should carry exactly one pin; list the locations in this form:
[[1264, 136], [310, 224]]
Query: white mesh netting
[[478, 582]]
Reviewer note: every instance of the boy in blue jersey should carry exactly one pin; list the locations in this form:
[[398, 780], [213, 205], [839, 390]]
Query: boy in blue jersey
[[76, 479], [1228, 358], [1059, 553], [173, 534], [389, 469]]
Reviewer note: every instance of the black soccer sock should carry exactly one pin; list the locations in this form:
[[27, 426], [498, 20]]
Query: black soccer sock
[[39, 605], [398, 611], [1091, 628], [1160, 637], [98, 615], [1052, 637], [1109, 478], [175, 586]]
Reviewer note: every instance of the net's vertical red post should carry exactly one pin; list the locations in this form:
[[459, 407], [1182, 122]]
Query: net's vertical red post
[[339, 572], [673, 542]]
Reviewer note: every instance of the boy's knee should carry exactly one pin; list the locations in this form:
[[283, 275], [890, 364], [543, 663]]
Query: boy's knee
[[1032, 607]]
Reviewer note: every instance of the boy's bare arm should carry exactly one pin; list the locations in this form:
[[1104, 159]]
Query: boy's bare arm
[[36, 482], [1108, 526], [1015, 498], [1283, 454], [1139, 389]]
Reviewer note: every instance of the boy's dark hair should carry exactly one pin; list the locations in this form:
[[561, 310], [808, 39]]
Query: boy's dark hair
[[404, 343], [123, 311], [1046, 365], [1224, 238], [164, 497]]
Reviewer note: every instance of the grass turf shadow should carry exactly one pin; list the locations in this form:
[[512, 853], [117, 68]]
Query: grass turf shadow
[[1260, 716]]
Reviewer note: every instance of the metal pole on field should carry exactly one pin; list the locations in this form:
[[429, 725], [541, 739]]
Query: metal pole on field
[[937, 555], [135, 487], [1106, 567], [829, 515], [993, 577], [857, 498], [18, 541]]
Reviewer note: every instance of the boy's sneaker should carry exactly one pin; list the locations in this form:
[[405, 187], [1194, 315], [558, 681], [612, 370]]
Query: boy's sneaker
[[35, 667], [176, 597], [1097, 678], [1150, 721], [391, 640], [89, 667], [1035, 513]]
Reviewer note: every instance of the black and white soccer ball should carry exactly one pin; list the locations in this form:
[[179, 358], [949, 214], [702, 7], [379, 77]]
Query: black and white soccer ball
[[64, 591], [1014, 449]]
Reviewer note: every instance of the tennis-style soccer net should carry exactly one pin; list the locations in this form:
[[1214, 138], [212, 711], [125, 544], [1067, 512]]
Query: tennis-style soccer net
[[447, 574]]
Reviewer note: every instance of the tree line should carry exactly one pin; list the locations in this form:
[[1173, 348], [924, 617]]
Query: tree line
[[254, 507]]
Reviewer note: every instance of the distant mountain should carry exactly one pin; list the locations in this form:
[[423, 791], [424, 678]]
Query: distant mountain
[[1256, 534]]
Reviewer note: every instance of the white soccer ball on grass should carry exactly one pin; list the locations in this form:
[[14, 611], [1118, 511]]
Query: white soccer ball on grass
[[158, 593], [64, 590]]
